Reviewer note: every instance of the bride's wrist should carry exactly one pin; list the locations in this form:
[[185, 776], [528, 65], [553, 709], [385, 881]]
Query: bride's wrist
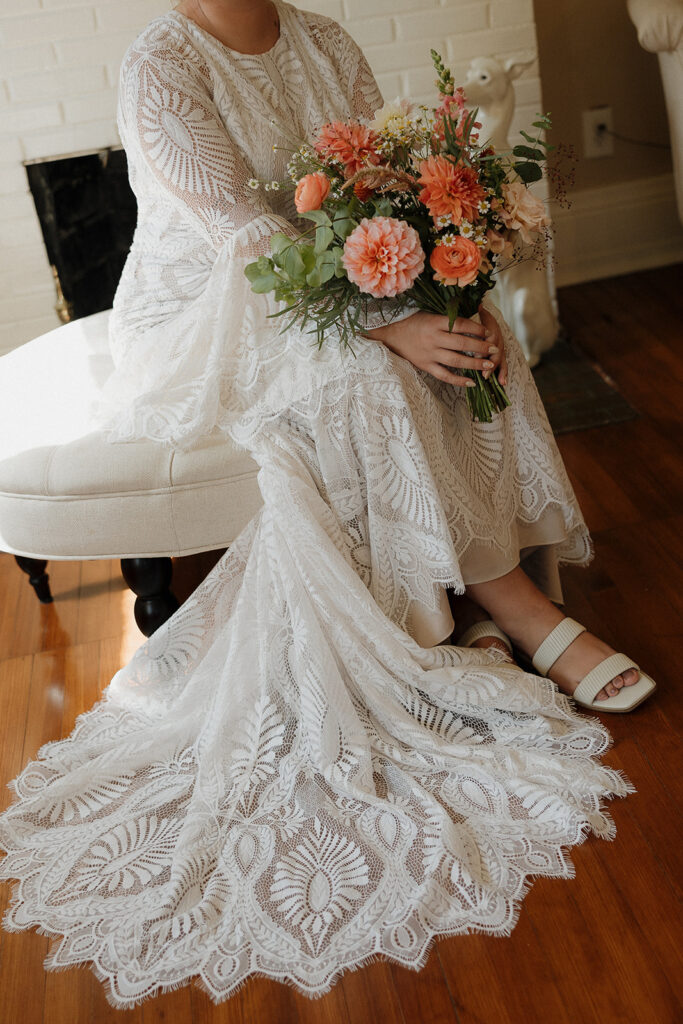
[[387, 335]]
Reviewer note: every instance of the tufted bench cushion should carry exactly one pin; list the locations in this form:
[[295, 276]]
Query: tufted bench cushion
[[65, 493]]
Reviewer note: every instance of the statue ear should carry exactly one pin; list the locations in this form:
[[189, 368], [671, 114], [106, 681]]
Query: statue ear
[[514, 68]]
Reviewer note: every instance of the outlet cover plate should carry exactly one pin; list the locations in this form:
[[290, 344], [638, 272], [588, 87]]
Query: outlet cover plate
[[596, 143]]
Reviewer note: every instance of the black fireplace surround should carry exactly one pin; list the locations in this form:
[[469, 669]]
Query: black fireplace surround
[[87, 214]]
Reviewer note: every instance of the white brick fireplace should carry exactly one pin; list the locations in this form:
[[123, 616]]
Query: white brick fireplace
[[59, 62]]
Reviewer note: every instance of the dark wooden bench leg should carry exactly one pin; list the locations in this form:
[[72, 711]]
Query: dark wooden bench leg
[[150, 579], [37, 577]]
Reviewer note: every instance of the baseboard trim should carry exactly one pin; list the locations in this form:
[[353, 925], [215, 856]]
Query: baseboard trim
[[617, 229]]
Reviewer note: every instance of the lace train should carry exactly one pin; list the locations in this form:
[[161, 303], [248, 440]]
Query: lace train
[[283, 781]]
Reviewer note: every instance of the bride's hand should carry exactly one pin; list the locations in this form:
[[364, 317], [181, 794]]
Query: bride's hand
[[425, 341]]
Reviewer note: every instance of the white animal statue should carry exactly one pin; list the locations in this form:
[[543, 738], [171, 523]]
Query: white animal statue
[[522, 291]]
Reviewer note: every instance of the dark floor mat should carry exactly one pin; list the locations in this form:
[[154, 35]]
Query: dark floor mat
[[576, 393]]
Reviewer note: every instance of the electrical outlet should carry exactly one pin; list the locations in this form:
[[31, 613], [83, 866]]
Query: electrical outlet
[[596, 140]]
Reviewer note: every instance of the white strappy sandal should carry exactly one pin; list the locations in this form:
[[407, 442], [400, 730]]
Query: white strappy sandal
[[485, 628], [629, 697]]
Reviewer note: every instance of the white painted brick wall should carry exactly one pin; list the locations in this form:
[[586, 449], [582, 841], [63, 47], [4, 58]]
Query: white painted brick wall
[[59, 64]]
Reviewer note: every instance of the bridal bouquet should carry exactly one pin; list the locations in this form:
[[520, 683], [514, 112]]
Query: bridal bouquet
[[408, 209]]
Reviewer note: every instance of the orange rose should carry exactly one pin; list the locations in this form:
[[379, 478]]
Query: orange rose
[[311, 192], [457, 263]]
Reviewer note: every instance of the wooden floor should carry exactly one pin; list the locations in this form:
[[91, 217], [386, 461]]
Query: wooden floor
[[602, 947]]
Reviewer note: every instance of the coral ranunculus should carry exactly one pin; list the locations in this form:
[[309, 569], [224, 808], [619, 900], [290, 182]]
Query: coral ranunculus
[[450, 190], [457, 263], [311, 192], [353, 144], [383, 256]]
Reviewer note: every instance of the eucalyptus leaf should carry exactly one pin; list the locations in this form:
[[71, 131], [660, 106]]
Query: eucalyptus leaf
[[343, 226], [262, 266], [323, 237], [279, 242], [293, 263], [383, 207], [308, 255], [326, 272], [529, 153], [318, 217], [528, 172], [264, 283]]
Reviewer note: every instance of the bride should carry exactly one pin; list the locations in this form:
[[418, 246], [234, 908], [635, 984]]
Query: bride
[[298, 771]]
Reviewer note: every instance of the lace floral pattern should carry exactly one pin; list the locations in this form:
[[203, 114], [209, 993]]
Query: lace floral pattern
[[283, 780]]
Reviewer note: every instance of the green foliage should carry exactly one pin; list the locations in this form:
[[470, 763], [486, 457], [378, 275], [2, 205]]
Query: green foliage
[[444, 82], [528, 171], [383, 207]]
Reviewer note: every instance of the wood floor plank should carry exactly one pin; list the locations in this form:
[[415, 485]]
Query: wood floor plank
[[494, 978], [100, 586], [472, 983], [22, 978], [371, 991], [424, 995], [631, 976], [15, 676], [263, 999], [169, 1008], [644, 885]]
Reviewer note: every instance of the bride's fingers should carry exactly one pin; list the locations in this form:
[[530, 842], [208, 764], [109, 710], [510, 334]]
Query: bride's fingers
[[451, 358], [464, 326], [503, 371], [461, 343], [443, 373]]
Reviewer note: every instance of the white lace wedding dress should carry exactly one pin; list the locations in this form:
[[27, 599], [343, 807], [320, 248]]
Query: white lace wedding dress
[[294, 774]]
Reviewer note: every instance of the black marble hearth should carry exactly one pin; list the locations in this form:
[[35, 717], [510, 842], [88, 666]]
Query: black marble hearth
[[87, 213]]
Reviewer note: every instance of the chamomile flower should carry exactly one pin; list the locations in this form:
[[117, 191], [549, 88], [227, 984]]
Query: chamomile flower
[[253, 183]]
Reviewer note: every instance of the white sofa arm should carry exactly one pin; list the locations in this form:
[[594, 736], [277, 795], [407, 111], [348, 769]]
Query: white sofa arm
[[659, 24]]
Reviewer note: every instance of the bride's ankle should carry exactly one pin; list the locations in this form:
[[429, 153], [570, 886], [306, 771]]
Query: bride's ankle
[[528, 631]]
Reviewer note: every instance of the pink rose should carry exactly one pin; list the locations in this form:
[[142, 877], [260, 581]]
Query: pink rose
[[311, 192], [522, 211]]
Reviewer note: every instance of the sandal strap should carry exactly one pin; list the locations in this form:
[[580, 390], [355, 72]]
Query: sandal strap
[[600, 676], [555, 644], [480, 629]]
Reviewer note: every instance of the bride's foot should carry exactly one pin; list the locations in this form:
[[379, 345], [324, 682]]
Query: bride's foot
[[467, 613], [527, 616], [582, 655]]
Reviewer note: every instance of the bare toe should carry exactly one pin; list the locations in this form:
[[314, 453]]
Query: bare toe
[[631, 676]]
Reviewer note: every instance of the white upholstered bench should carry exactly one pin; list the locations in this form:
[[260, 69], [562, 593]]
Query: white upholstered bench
[[65, 493]]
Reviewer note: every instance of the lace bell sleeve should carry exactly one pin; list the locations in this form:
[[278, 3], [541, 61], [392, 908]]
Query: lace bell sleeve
[[174, 134]]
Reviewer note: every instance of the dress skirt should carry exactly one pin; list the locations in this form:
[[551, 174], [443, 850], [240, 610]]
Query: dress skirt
[[294, 774]]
